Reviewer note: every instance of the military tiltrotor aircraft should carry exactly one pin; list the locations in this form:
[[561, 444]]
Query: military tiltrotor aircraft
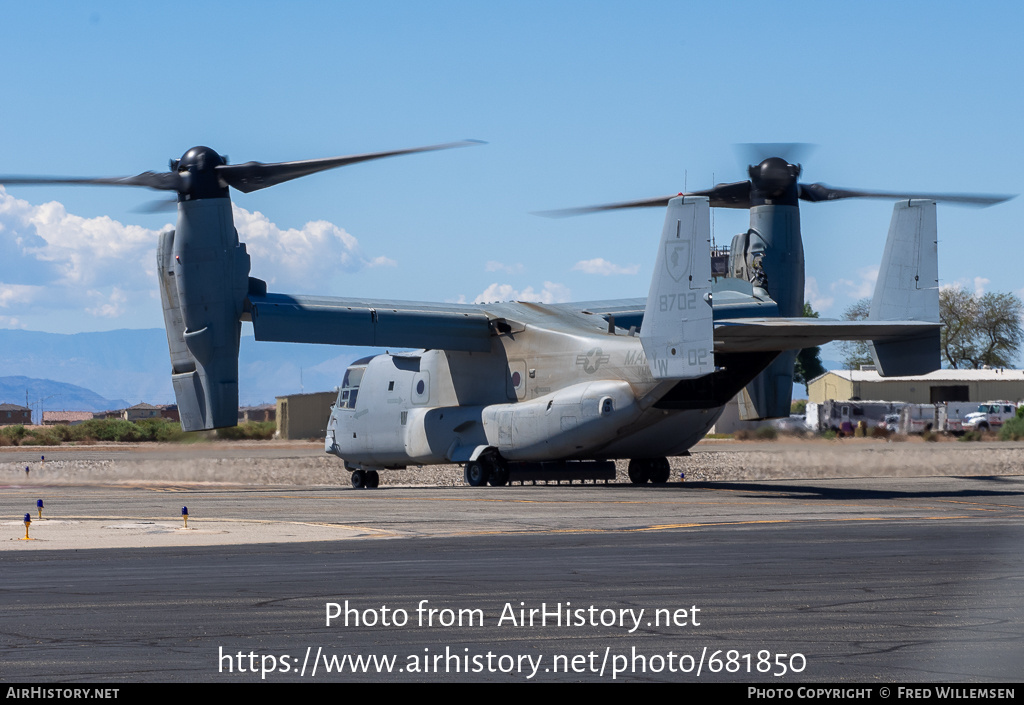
[[531, 391]]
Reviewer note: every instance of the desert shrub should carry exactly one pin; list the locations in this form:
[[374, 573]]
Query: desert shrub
[[64, 432], [971, 436], [42, 437], [251, 431], [159, 429], [879, 432], [766, 433], [930, 436], [12, 435], [829, 434], [1012, 430], [117, 430]]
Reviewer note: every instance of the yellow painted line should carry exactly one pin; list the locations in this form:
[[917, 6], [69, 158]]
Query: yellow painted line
[[662, 527], [981, 505]]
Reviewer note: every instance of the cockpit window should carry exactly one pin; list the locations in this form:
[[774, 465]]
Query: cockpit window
[[350, 388], [353, 376]]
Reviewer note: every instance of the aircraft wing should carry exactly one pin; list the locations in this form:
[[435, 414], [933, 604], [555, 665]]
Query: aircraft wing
[[610, 307], [349, 321], [765, 334], [468, 327], [626, 312]]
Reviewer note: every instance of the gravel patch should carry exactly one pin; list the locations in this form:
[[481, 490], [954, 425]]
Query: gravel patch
[[709, 461]]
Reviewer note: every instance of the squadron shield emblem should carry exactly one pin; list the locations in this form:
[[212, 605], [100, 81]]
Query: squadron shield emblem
[[677, 258]]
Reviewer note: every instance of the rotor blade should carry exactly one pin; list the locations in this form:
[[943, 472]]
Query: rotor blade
[[157, 206], [756, 152], [164, 181], [584, 210], [822, 192], [253, 176], [734, 195]]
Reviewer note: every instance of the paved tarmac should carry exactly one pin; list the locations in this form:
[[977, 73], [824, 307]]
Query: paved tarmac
[[882, 580]]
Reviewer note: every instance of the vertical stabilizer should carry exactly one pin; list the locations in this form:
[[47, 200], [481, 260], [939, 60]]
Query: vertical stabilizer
[[908, 289], [678, 332]]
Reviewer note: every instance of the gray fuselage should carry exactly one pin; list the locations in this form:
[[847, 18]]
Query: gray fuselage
[[557, 387]]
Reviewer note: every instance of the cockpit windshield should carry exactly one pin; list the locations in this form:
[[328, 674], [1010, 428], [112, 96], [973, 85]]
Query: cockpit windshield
[[350, 387]]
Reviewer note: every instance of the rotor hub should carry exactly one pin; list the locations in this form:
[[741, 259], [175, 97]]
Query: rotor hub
[[198, 169], [774, 179]]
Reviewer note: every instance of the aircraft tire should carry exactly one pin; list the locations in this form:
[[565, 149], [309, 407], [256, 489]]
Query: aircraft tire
[[476, 474], [639, 471], [660, 471], [372, 479], [498, 475], [358, 479]]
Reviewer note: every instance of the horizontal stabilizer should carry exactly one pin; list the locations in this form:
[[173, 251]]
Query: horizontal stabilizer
[[765, 334]]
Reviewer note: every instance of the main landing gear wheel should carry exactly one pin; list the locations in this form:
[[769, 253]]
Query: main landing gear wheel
[[499, 474], [660, 471], [657, 470], [476, 473], [365, 479], [638, 472]]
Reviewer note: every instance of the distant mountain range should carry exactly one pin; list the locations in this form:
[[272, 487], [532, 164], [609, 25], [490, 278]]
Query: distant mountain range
[[125, 367], [45, 394]]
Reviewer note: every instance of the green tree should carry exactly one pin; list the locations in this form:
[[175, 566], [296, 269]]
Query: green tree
[[857, 352], [980, 331], [808, 365]]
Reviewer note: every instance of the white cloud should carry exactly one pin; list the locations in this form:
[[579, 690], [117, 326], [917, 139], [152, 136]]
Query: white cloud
[[16, 294], [53, 261], [112, 306], [978, 284], [551, 293], [70, 250], [860, 289], [818, 302], [494, 266], [604, 267], [301, 259]]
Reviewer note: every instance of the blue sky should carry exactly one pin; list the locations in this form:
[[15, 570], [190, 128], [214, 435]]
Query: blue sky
[[580, 103]]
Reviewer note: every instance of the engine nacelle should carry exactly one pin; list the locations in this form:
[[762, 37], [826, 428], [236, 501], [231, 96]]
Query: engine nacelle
[[204, 278]]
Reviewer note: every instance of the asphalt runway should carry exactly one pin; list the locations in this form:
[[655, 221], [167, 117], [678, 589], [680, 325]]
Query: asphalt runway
[[898, 580]]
